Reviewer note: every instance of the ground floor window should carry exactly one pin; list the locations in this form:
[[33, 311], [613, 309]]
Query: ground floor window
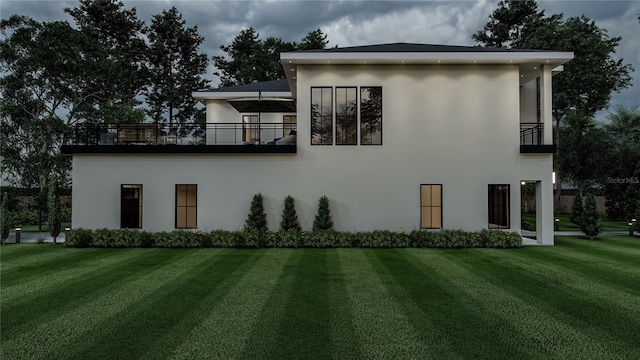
[[131, 206], [499, 206], [431, 206], [186, 206]]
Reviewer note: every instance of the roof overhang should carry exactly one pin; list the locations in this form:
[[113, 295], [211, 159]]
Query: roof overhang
[[216, 95], [529, 61]]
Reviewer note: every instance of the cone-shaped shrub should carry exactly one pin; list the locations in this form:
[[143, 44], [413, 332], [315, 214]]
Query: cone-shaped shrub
[[590, 224], [289, 215], [257, 218], [577, 210], [323, 217], [55, 211], [4, 218]]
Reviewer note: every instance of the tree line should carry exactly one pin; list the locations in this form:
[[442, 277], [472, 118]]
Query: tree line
[[108, 66]]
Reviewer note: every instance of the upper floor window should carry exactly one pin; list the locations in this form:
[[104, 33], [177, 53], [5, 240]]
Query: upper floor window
[[321, 116], [346, 116], [371, 115]]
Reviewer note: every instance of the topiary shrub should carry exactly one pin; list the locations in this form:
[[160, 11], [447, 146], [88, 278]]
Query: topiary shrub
[[577, 210], [323, 217], [590, 224], [54, 218], [289, 215], [257, 218]]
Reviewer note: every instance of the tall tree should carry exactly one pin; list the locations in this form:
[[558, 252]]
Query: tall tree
[[117, 59], [315, 39], [42, 72], [176, 68], [54, 210], [586, 84]]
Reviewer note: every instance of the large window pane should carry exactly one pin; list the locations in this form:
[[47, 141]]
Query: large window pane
[[346, 116], [499, 206], [371, 115], [186, 206], [431, 206], [131, 206], [321, 116]]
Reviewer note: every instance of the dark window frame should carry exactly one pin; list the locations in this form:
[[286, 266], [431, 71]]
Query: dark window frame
[[499, 206], [440, 207], [124, 188], [343, 118], [186, 206], [364, 133], [331, 128]]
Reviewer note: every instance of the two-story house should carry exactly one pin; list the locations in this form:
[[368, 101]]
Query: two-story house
[[398, 136]]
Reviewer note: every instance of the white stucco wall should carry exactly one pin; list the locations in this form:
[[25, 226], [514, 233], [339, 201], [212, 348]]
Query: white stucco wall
[[452, 125]]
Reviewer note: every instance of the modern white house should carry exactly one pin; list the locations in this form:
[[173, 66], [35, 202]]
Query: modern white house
[[397, 136]]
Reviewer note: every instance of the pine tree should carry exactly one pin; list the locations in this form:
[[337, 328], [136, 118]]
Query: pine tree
[[577, 210], [323, 217], [257, 219], [55, 211], [4, 218], [591, 225], [289, 215]]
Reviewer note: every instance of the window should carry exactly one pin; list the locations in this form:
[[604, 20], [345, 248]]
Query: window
[[131, 206], [371, 115], [289, 124], [186, 206], [321, 116], [431, 206], [499, 206], [346, 116], [249, 128]]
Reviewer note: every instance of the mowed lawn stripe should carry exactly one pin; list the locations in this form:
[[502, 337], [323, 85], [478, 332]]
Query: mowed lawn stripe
[[62, 335], [521, 322], [296, 323], [20, 316], [21, 253], [43, 281], [548, 290], [227, 324], [159, 321], [383, 318], [608, 250], [450, 311], [53, 262]]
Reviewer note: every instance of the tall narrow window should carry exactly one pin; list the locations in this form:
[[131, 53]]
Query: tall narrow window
[[289, 124], [346, 116], [371, 115], [186, 206], [431, 206], [321, 116], [499, 206], [131, 206], [249, 128]]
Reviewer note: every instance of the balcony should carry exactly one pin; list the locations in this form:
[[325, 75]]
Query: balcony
[[240, 138], [532, 139]]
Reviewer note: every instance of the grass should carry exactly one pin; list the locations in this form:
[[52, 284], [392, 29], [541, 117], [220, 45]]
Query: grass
[[579, 299], [567, 225]]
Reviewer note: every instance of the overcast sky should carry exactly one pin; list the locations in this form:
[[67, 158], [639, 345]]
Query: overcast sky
[[350, 23]]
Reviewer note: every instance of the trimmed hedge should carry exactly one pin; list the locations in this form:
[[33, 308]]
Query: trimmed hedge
[[122, 238]]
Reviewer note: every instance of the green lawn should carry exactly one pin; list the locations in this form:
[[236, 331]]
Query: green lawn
[[567, 225], [577, 300], [34, 228]]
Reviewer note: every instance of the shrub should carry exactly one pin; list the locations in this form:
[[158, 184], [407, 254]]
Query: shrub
[[54, 218], [286, 239], [323, 217], [289, 215], [181, 239], [577, 210], [257, 218], [78, 238], [590, 224]]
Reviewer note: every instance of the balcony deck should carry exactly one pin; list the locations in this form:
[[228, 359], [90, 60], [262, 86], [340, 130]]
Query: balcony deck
[[532, 139], [238, 138]]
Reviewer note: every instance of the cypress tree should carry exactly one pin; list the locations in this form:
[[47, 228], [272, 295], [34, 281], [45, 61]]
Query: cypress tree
[[577, 210], [591, 225], [323, 217], [257, 218], [289, 215], [55, 211], [4, 218]]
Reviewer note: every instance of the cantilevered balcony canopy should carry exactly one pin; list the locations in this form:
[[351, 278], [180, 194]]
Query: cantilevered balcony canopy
[[264, 105]]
